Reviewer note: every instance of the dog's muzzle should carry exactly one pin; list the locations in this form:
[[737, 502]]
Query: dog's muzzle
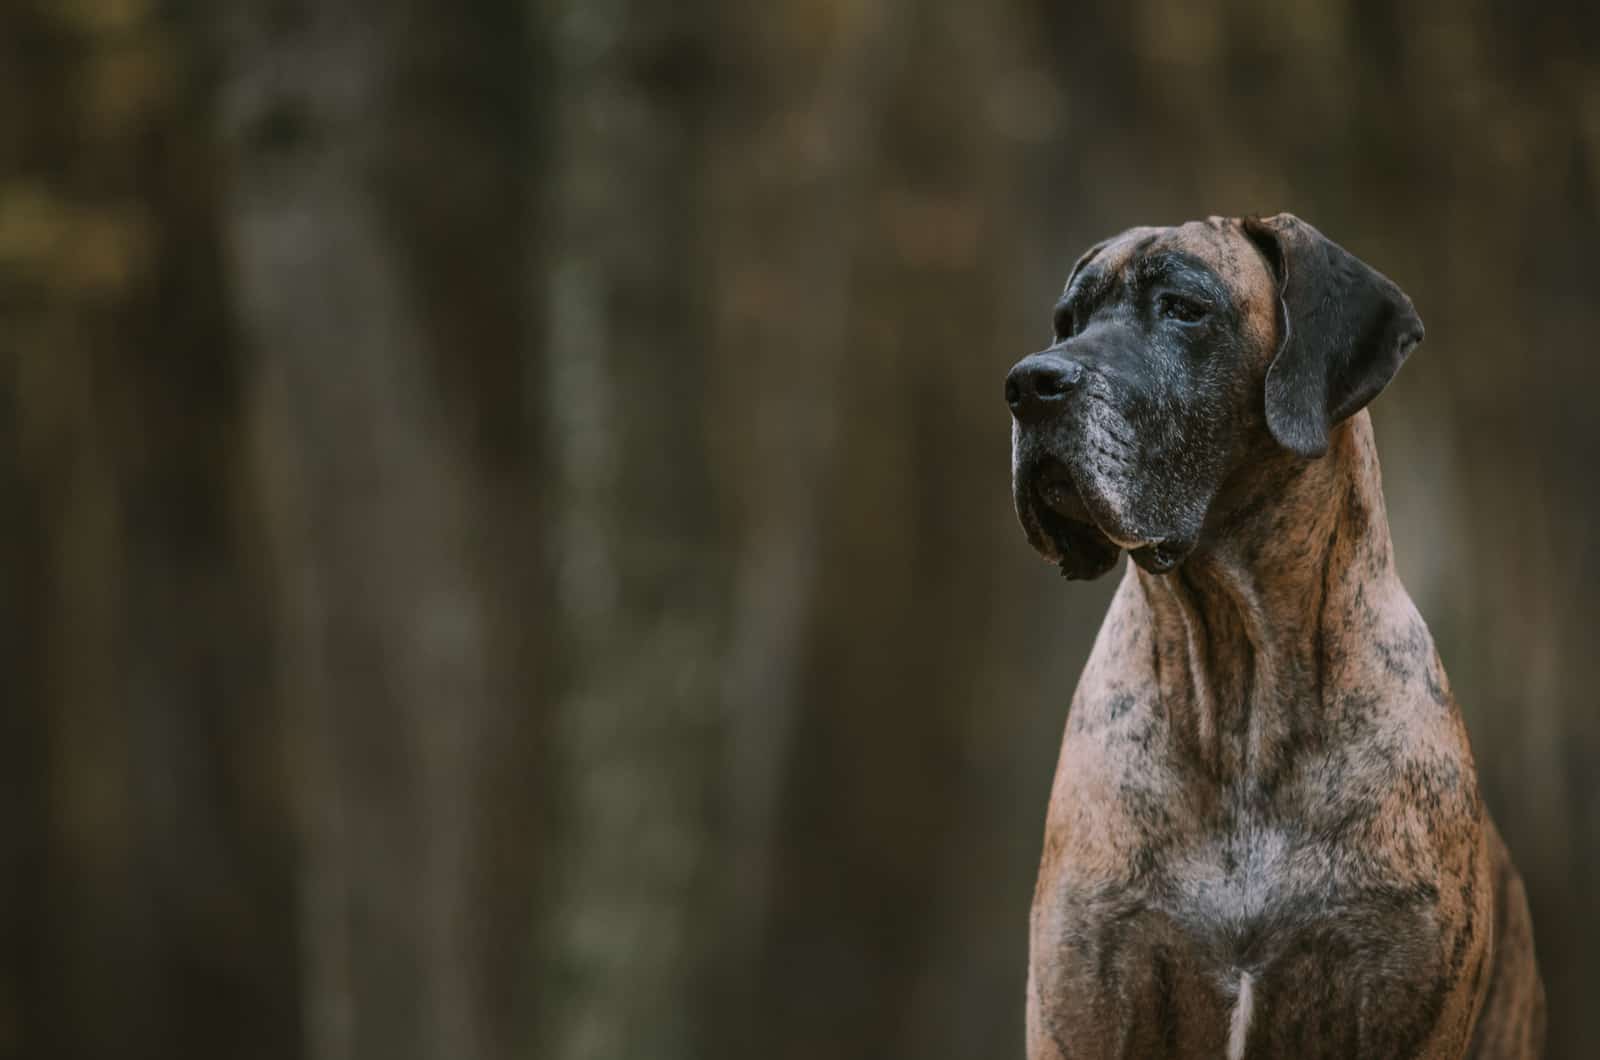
[[1041, 391]]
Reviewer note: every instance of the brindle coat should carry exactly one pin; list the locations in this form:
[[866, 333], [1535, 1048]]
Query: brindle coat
[[1265, 837]]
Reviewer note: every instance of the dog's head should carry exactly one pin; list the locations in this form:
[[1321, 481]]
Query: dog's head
[[1180, 355]]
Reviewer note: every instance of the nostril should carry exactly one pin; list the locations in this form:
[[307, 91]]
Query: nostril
[[1053, 381], [1013, 393], [1050, 384]]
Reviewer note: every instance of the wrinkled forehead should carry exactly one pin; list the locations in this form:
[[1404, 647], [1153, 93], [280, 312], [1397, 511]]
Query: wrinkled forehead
[[1217, 244], [1217, 247]]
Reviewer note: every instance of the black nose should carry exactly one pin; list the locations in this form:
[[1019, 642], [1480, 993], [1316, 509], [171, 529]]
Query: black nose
[[1039, 384]]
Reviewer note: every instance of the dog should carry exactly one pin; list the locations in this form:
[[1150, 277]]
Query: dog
[[1265, 836]]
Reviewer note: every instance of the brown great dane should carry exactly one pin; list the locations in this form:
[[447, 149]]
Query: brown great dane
[[1265, 837]]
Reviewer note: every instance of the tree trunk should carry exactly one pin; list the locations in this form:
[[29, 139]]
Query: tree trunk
[[373, 237], [640, 593], [145, 889]]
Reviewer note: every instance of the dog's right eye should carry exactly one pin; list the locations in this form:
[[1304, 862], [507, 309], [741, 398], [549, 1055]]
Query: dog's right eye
[[1183, 310], [1064, 323]]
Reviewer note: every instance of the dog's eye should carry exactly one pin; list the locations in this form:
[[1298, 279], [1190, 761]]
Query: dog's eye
[[1183, 310]]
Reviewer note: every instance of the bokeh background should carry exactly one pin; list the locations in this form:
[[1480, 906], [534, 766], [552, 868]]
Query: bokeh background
[[504, 526]]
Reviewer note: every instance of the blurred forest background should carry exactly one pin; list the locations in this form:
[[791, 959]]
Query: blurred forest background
[[506, 543]]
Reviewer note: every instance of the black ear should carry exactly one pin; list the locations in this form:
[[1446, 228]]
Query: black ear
[[1346, 330]]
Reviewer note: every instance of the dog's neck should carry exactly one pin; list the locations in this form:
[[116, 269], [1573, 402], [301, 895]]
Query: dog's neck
[[1239, 629]]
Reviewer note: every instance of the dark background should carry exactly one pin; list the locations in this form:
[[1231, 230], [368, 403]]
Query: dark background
[[506, 544]]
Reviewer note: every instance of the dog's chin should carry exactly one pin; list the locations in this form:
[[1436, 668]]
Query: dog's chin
[[1071, 522], [1153, 551]]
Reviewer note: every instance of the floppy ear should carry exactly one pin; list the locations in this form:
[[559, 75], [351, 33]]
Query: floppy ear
[[1346, 329]]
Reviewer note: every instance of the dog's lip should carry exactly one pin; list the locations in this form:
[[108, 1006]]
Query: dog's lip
[[1057, 492], [1059, 516], [1055, 489]]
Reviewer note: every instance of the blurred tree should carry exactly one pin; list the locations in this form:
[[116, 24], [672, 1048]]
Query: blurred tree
[[866, 215], [795, 148], [373, 159], [145, 902], [640, 590]]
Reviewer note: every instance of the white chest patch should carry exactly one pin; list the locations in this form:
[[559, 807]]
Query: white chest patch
[[1239, 1026]]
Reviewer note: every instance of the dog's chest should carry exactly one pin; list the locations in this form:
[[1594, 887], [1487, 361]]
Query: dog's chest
[[1255, 942]]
